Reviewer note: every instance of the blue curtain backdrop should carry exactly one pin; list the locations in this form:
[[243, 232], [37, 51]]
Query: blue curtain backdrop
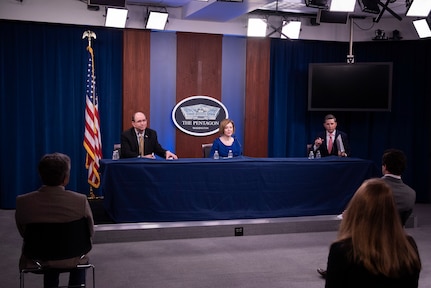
[[42, 100], [406, 127]]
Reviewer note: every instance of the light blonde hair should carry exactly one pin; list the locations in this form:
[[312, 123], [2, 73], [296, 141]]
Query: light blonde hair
[[379, 241]]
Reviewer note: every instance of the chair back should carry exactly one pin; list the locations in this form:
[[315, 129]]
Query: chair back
[[206, 149], [404, 216], [57, 241]]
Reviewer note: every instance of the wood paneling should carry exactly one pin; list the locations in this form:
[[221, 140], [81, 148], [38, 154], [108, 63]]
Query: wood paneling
[[257, 97], [136, 74], [199, 60]]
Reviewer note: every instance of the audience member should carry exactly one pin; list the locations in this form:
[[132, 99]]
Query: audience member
[[52, 203], [226, 142], [372, 248], [141, 141], [331, 141], [393, 165]]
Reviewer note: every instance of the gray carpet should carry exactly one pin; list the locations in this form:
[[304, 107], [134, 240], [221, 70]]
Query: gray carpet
[[287, 260]]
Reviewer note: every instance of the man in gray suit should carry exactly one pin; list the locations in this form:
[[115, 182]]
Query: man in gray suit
[[53, 203], [393, 165]]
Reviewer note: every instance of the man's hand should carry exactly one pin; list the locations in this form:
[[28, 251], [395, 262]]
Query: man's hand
[[169, 155], [318, 142]]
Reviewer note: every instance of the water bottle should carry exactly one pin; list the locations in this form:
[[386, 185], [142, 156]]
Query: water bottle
[[311, 155], [318, 155], [216, 156], [230, 154], [115, 155]]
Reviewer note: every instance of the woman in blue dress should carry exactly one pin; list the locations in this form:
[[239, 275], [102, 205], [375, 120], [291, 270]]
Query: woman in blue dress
[[226, 141]]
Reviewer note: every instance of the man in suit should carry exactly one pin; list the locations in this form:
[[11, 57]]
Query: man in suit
[[331, 141], [53, 203], [394, 163], [141, 141]]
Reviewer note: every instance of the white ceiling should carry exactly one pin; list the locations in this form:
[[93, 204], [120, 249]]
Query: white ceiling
[[221, 11]]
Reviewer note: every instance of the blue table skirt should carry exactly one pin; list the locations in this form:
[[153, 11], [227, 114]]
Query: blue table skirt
[[141, 190]]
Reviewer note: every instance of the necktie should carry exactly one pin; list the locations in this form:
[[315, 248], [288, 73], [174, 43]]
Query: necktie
[[141, 145], [330, 144]]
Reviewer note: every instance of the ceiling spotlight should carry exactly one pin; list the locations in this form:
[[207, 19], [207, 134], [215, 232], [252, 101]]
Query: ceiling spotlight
[[157, 20], [291, 29], [369, 6], [342, 5], [116, 17], [422, 28], [418, 8], [256, 27], [321, 4]]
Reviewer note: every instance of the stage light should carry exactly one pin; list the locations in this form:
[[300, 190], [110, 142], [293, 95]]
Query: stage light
[[422, 28], [157, 20], [116, 17], [342, 5], [418, 8], [256, 27], [369, 6], [321, 4], [291, 29]]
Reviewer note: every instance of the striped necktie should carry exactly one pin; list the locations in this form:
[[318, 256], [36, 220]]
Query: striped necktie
[[141, 145]]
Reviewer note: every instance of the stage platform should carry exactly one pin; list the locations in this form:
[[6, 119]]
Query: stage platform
[[109, 232]]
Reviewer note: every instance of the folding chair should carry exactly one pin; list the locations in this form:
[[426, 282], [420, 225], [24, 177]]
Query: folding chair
[[56, 241]]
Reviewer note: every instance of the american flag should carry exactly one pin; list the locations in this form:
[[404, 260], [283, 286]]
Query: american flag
[[92, 137]]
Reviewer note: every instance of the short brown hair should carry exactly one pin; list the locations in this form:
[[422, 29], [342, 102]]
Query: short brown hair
[[395, 161], [54, 168]]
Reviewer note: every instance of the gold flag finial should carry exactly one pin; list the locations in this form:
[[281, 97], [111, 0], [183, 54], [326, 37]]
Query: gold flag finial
[[89, 34]]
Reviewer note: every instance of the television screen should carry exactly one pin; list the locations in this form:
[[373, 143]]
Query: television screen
[[350, 87]]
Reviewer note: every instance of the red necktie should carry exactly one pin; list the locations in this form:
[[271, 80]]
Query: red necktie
[[330, 144]]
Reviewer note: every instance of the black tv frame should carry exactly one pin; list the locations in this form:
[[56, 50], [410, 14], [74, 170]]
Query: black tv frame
[[337, 87]]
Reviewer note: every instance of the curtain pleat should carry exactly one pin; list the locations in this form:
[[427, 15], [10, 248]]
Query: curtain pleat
[[42, 100], [406, 127]]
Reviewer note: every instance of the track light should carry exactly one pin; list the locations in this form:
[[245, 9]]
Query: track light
[[342, 5], [116, 17], [418, 8], [256, 27], [157, 20], [291, 29], [321, 4], [369, 6], [422, 28]]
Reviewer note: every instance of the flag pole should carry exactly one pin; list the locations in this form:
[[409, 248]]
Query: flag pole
[[91, 195], [89, 35]]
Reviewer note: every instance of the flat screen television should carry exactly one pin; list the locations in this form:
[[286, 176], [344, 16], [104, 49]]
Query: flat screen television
[[350, 87]]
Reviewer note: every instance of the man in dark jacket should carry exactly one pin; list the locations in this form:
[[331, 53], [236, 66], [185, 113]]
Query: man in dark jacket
[[141, 141]]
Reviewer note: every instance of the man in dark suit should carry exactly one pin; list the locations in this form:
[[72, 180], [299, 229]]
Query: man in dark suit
[[331, 141], [141, 141], [52, 203]]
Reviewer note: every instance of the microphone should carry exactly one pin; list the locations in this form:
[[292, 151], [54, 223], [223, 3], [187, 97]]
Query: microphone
[[340, 145]]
